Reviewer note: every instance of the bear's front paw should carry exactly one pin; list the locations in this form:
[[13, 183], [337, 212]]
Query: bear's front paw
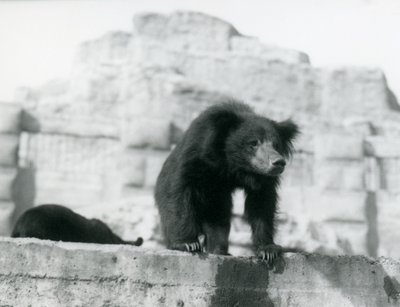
[[269, 252], [193, 247]]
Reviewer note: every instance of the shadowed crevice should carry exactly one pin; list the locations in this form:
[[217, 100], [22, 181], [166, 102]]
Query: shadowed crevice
[[371, 212]]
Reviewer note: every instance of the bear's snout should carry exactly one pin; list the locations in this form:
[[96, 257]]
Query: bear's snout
[[279, 162], [267, 160], [277, 166]]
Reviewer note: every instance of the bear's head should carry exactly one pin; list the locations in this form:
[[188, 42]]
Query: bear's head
[[260, 146]]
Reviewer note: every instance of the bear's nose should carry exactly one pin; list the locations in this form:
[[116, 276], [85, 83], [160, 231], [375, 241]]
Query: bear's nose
[[279, 162]]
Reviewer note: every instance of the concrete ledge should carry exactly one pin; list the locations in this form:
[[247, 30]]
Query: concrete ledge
[[44, 273]]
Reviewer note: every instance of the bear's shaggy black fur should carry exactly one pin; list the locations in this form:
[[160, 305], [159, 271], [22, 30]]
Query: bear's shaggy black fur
[[58, 223], [226, 147]]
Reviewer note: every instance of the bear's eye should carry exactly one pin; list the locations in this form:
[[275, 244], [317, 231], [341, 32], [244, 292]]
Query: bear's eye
[[253, 143], [276, 145]]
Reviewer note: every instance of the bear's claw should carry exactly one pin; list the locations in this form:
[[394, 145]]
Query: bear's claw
[[269, 252], [192, 247]]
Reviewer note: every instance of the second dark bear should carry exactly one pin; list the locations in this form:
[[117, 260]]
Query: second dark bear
[[58, 223], [226, 147]]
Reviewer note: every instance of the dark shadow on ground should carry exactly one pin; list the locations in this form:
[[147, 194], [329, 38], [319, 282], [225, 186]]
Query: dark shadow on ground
[[244, 283]]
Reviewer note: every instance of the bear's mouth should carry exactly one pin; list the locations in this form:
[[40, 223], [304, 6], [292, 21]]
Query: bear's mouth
[[275, 170]]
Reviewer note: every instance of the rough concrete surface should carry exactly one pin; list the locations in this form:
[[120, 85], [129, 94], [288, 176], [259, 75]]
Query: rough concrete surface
[[45, 273]]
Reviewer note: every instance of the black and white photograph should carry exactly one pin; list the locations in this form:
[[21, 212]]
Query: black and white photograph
[[187, 153]]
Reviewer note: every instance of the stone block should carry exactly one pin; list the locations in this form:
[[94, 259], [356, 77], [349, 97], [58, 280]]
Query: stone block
[[382, 146], [154, 164], [111, 48], [185, 31], [291, 230], [389, 174], [101, 87], [138, 196], [323, 239], [264, 85], [6, 212], [304, 143], [291, 200], [7, 177], [71, 189], [152, 95], [299, 170], [146, 132], [334, 205], [353, 90], [372, 174], [245, 45], [79, 125], [90, 94], [359, 125], [132, 167], [352, 236], [388, 223], [97, 91], [338, 146], [70, 154], [9, 118], [337, 238], [341, 174], [9, 149], [388, 124]]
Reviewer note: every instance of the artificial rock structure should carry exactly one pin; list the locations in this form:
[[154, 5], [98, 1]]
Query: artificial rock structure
[[96, 141], [44, 273]]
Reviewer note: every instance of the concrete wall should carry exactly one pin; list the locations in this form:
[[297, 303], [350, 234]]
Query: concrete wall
[[43, 273], [97, 141]]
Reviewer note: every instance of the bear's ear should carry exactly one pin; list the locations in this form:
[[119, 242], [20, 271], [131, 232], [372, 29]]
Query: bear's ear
[[288, 131], [214, 133]]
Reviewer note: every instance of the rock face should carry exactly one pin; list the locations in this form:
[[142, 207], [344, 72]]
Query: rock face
[[101, 136], [9, 140]]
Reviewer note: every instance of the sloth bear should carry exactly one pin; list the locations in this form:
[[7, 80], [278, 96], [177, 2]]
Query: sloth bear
[[58, 223], [226, 147]]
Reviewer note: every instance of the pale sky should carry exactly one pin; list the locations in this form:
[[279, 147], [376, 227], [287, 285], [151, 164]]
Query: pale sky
[[38, 39]]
